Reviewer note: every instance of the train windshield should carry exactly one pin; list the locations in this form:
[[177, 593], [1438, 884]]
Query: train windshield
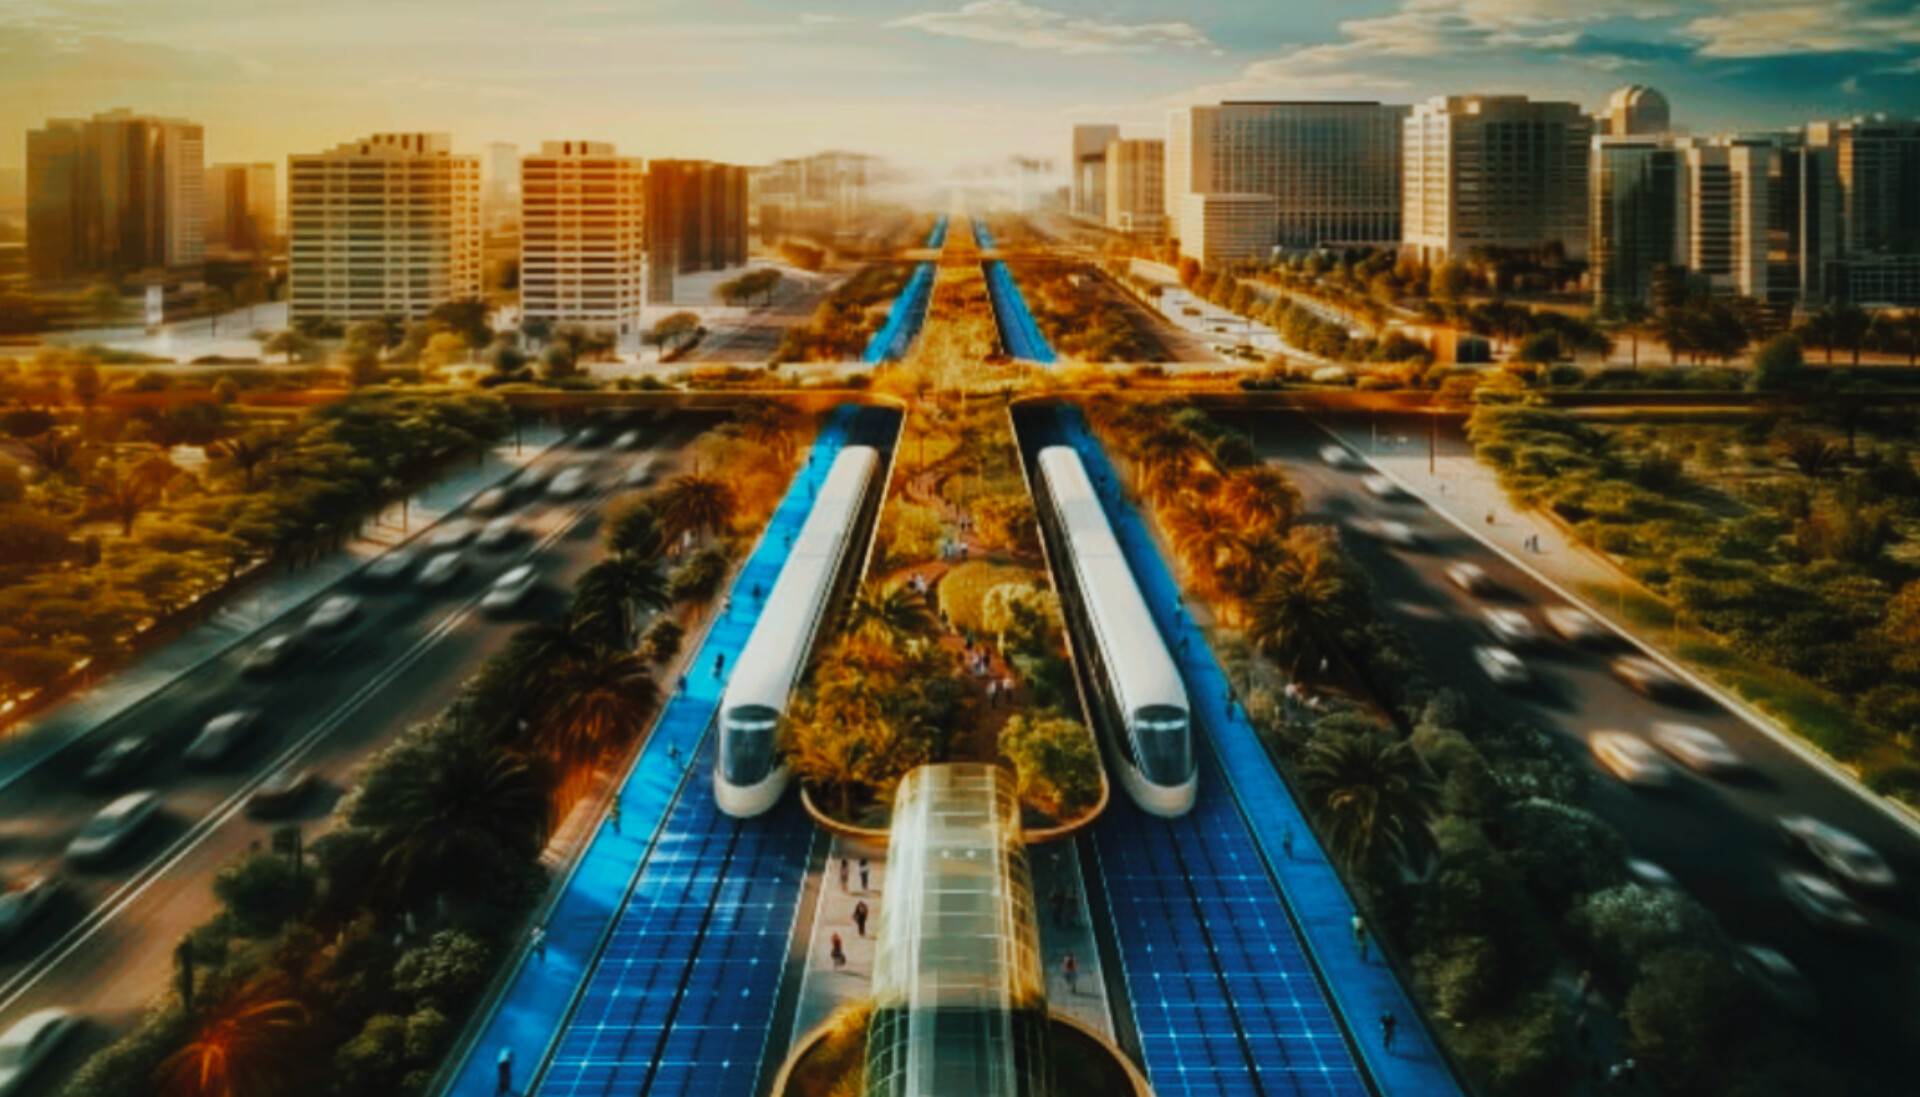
[[1161, 741], [747, 744]]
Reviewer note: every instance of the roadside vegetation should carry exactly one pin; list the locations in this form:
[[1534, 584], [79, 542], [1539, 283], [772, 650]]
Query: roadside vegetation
[[846, 321], [347, 964], [1079, 316], [1468, 844]]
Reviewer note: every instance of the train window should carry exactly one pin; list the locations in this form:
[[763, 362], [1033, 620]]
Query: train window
[[1160, 736], [747, 744]]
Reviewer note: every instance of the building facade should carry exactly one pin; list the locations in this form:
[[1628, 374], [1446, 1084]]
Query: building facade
[[115, 195], [1876, 164], [583, 236], [1332, 170], [1228, 229], [1496, 171], [385, 226], [500, 186], [1635, 111], [824, 192], [696, 216], [242, 209], [1640, 216], [1087, 164], [1136, 189]]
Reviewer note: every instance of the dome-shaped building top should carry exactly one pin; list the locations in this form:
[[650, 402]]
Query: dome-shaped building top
[[1637, 109]]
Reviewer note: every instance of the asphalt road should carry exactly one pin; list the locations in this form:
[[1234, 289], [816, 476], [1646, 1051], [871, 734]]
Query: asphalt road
[[104, 945], [1718, 838], [754, 339]]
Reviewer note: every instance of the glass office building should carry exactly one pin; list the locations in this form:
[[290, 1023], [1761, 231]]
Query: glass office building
[[959, 993]]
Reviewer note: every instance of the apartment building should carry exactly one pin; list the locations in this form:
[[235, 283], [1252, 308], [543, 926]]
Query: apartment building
[[242, 209], [1136, 188], [696, 215], [1087, 162], [115, 195], [385, 226], [583, 236], [1495, 171]]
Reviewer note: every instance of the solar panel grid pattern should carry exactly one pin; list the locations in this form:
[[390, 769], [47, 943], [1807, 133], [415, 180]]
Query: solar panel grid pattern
[[681, 998]]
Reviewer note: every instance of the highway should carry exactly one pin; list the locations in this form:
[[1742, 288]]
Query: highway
[[749, 336], [104, 945], [1718, 838]]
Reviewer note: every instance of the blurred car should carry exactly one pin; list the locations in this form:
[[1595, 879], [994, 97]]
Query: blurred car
[[1844, 855], [334, 613], [508, 591], [1778, 978], [282, 792], [21, 901], [1339, 456], [498, 534], [1821, 903], [590, 435], [1383, 487], [223, 735], [639, 474], [1471, 578], [1697, 749], [1511, 628], [1650, 876], [1502, 667], [29, 1043], [629, 439], [113, 827], [271, 654], [1648, 678], [489, 502], [1630, 758], [441, 570], [450, 534], [121, 759], [569, 482], [1397, 534], [530, 481], [389, 566], [1576, 626]]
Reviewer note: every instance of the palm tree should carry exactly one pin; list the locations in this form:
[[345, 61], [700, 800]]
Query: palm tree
[[618, 590], [1631, 316], [698, 505], [447, 820], [827, 751], [1203, 533], [634, 530], [770, 425], [247, 452], [598, 706], [1164, 448], [1375, 797], [1820, 328], [242, 1047], [1261, 496], [1813, 455], [890, 615], [1850, 326], [124, 493], [1300, 612]]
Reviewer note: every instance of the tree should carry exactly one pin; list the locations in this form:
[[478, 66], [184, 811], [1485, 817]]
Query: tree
[[443, 350], [596, 705], [293, 344], [662, 641], [466, 318], [1261, 496], [452, 817], [831, 748], [506, 359], [247, 452], [696, 504], [1056, 760], [262, 891], [620, 589], [1813, 455], [1542, 348], [125, 491], [1301, 610], [83, 381], [1450, 281], [676, 330], [892, 615], [1778, 367], [1374, 796], [104, 304], [559, 363], [633, 529], [1850, 326], [243, 1047]]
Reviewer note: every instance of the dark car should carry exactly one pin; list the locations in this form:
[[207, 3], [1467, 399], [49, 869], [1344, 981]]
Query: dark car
[[123, 758], [282, 792]]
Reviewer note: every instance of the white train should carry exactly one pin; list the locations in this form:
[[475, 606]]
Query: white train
[[749, 775], [1136, 684]]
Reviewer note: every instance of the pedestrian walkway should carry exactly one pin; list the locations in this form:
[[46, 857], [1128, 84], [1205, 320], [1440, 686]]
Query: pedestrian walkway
[[1067, 930], [33, 740], [664, 946], [828, 984], [1231, 976]]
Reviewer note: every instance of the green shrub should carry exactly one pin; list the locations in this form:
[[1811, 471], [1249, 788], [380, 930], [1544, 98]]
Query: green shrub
[[1056, 760], [963, 591]]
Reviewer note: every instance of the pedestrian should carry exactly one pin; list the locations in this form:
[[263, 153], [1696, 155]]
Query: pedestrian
[[681, 687], [839, 953], [844, 866], [863, 873], [719, 663], [993, 694], [1286, 842], [1070, 967], [613, 814], [505, 1066], [1388, 1023], [758, 592], [726, 607], [673, 753], [860, 917], [1360, 936], [539, 941]]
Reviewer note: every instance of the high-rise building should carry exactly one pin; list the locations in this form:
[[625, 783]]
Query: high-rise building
[[388, 225], [696, 213], [500, 185], [583, 236], [1228, 229], [827, 191], [1088, 167], [1635, 111], [1496, 171], [1136, 189], [242, 209], [114, 195], [1639, 219], [1332, 170], [1876, 161]]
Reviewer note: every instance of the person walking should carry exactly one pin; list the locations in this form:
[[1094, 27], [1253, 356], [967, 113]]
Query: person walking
[[1388, 1024], [504, 1067], [681, 687], [613, 814], [719, 663], [845, 866], [1286, 842], [538, 939], [673, 753], [1070, 967], [1360, 936], [993, 694], [839, 953], [860, 917], [863, 873]]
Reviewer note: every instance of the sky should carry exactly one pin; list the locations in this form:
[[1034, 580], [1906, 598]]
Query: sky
[[945, 85]]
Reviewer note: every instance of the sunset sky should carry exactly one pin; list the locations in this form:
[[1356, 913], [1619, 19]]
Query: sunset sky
[[946, 84]]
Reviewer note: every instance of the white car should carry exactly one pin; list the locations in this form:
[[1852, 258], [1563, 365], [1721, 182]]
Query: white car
[[1697, 748], [498, 534], [441, 570], [272, 654], [29, 1043], [1630, 758], [392, 564], [450, 534], [490, 501], [21, 902], [1648, 678], [1822, 903], [1339, 456], [639, 474], [571, 481], [510, 589], [1397, 534], [1576, 626], [334, 613], [115, 824], [1471, 578], [1379, 484], [223, 735], [629, 439], [1650, 876], [1777, 976], [1842, 854], [1501, 666], [1511, 628]]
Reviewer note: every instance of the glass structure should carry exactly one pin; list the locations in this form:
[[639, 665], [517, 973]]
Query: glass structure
[[959, 993]]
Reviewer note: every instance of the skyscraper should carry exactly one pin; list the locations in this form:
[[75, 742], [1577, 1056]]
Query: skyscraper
[[696, 213], [114, 195], [1496, 171], [1136, 189], [1876, 160], [1639, 219], [1332, 171], [1087, 165], [388, 225], [583, 236], [242, 207], [1635, 111]]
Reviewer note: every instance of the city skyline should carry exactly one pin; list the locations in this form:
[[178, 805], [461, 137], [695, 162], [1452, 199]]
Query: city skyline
[[752, 81]]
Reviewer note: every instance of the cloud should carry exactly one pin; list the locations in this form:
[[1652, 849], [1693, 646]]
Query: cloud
[[1014, 23], [1772, 28], [815, 18]]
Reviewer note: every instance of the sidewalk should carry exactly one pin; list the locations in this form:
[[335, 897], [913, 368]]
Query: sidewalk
[[826, 987], [1056, 868], [32, 741]]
